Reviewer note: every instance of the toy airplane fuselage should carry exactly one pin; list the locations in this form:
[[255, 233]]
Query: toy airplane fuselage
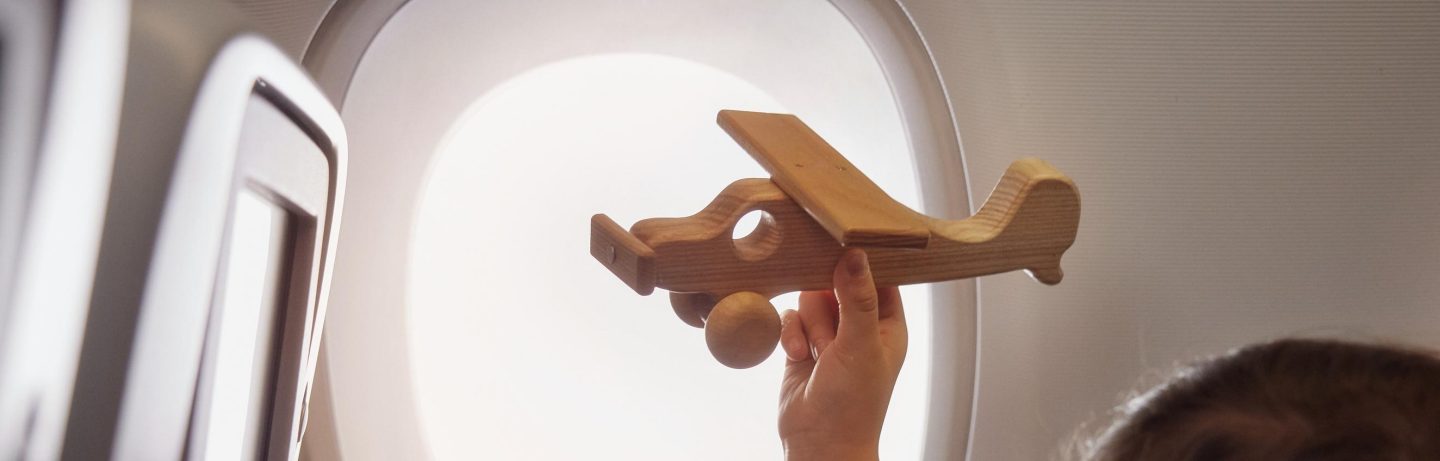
[[815, 205]]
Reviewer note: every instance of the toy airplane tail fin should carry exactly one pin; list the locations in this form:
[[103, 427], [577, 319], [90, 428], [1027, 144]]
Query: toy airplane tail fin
[[1043, 214], [1031, 217]]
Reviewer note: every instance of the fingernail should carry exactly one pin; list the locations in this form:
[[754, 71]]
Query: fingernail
[[856, 263]]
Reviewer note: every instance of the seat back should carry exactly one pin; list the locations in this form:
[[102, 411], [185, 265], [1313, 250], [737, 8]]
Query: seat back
[[210, 286], [61, 68]]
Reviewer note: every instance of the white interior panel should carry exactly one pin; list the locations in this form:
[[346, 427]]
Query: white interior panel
[[1249, 170], [243, 327]]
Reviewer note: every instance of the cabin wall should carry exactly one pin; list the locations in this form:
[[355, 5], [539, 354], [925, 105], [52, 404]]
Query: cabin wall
[[289, 23], [1248, 170]]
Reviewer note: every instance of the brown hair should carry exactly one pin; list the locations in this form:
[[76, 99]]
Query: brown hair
[[1291, 399]]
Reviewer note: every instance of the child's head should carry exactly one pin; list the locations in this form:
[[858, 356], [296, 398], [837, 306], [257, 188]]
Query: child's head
[[1287, 400]]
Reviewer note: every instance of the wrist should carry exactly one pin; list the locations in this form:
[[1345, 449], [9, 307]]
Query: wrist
[[831, 451]]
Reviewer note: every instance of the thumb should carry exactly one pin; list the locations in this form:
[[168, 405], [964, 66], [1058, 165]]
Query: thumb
[[859, 305]]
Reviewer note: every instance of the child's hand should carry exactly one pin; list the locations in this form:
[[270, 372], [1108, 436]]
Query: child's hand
[[843, 358]]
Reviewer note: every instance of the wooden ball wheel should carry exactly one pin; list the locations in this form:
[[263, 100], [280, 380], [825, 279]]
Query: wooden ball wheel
[[742, 330], [692, 307]]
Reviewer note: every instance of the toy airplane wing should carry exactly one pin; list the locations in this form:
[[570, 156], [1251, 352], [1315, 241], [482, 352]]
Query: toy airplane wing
[[847, 204]]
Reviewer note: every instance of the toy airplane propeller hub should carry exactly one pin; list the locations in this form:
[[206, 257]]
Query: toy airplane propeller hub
[[816, 204]]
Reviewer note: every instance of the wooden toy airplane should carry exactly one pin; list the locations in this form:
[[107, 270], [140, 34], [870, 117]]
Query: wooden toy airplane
[[815, 205]]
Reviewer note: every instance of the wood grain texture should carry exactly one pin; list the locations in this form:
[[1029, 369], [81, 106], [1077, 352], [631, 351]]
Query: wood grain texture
[[815, 206], [839, 196], [742, 330], [1028, 223], [625, 256], [692, 308]]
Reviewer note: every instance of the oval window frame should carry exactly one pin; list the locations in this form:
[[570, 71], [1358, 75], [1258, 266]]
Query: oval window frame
[[334, 58]]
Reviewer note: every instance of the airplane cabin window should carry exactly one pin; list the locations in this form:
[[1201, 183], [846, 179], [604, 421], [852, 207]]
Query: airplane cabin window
[[464, 262], [518, 335]]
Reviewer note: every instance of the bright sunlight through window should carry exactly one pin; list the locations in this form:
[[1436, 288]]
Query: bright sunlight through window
[[526, 348]]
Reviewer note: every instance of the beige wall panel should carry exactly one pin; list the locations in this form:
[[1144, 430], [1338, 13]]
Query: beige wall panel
[[1250, 170]]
